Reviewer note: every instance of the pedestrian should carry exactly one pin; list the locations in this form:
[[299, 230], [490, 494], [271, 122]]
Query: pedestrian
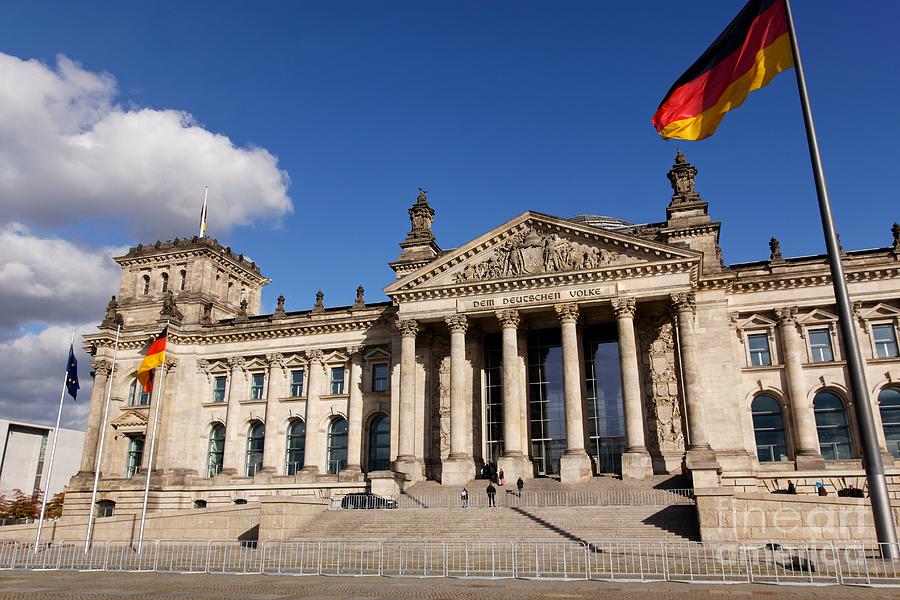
[[820, 489], [502, 477], [491, 494], [791, 489], [519, 485], [464, 498]]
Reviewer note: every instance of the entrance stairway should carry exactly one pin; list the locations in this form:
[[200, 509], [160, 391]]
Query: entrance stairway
[[655, 519]]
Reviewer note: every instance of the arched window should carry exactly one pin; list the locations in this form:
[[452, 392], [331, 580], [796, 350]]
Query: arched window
[[145, 288], [137, 396], [768, 427], [380, 444], [164, 283], [832, 426], [337, 445], [296, 447], [199, 503], [105, 508], [256, 439], [182, 280], [889, 406], [216, 453]]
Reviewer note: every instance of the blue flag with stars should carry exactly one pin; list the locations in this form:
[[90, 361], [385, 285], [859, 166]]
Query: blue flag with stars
[[72, 374]]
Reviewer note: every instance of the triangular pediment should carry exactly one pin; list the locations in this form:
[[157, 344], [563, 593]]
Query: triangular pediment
[[534, 246], [880, 311], [756, 321], [818, 316], [130, 421]]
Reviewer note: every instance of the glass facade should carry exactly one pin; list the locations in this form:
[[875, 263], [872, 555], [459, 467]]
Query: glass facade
[[546, 409], [768, 428], [493, 401], [296, 447], [380, 444], [605, 411], [832, 426], [337, 445], [889, 407]]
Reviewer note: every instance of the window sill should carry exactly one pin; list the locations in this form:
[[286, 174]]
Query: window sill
[[293, 399], [756, 368], [214, 404], [880, 360], [260, 401], [825, 363], [384, 393], [334, 396]]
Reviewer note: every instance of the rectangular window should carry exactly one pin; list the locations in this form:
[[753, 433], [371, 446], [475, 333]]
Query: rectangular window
[[135, 455], [885, 341], [257, 382], [820, 345], [219, 389], [760, 356], [337, 380], [138, 396], [380, 377], [296, 384]]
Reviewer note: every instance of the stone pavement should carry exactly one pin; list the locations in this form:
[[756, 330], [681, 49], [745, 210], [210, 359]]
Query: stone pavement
[[52, 585]]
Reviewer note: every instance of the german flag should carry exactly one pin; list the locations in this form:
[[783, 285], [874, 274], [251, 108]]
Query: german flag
[[155, 356], [754, 48]]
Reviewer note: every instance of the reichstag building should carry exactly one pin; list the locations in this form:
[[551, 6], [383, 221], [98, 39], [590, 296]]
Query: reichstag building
[[548, 346]]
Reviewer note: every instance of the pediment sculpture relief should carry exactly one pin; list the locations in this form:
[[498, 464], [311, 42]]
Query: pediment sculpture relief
[[531, 252]]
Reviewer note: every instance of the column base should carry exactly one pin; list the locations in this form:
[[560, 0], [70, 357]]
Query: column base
[[575, 468], [515, 466], [636, 464], [809, 461], [457, 471], [411, 467], [703, 467], [351, 473]]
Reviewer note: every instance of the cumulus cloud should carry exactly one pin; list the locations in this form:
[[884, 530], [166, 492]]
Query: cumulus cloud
[[68, 150], [32, 371], [47, 280]]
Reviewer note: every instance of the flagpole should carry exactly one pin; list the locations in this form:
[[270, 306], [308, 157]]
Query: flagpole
[[62, 397], [203, 212], [874, 467], [112, 372], [162, 378]]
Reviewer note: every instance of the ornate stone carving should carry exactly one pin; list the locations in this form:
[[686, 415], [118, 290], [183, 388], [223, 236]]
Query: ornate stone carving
[[354, 352], [275, 359], [440, 405], [112, 318], [242, 312], [171, 363], [786, 315], [684, 301], [421, 216], [169, 309], [457, 323], [662, 399], [567, 313], [624, 307], [895, 231], [360, 298], [237, 363], [319, 306], [206, 314], [408, 327], [508, 318], [681, 176], [531, 252], [775, 251], [101, 367], [203, 367], [279, 308], [315, 356]]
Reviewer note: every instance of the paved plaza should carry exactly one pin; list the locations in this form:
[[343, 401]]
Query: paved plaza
[[48, 585]]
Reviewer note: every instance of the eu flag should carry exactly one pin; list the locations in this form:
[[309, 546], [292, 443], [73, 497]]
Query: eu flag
[[72, 374]]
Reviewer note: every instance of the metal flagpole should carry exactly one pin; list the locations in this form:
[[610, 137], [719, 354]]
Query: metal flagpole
[[62, 397], [203, 212], [159, 396], [112, 372], [881, 505]]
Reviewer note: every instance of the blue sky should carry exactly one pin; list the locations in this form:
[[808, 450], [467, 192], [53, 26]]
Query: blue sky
[[494, 107]]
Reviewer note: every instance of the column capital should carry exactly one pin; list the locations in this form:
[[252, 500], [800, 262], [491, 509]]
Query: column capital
[[787, 315], [101, 367], [457, 323], [315, 356], [275, 359], [235, 362], [354, 352], [567, 313], [684, 301], [624, 307], [408, 327], [508, 318]]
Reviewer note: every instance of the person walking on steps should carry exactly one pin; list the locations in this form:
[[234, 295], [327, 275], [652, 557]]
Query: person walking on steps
[[464, 498], [501, 478], [492, 495], [519, 486]]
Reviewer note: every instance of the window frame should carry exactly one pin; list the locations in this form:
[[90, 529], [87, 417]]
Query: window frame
[[783, 429], [829, 332], [292, 467], [251, 465], [302, 384], [163, 283], [892, 326], [893, 389], [767, 335], [132, 468], [334, 465], [216, 390], [848, 423], [257, 392], [105, 508], [145, 284], [332, 382], [136, 394], [386, 379], [214, 468]]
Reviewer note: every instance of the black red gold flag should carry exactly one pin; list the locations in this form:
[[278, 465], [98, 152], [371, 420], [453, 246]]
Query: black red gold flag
[[746, 56], [155, 356]]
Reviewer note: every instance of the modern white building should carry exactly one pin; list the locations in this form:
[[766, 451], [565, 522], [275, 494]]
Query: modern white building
[[25, 456]]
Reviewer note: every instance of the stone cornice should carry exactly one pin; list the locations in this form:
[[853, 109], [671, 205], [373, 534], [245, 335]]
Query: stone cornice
[[182, 249]]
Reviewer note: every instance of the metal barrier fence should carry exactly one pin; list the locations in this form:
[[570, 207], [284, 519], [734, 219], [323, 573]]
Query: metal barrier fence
[[637, 561], [507, 497]]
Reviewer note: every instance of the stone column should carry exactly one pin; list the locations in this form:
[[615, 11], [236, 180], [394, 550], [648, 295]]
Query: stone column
[[575, 464], [233, 461], [354, 416], [314, 450], [699, 456], [806, 454], [407, 462], [636, 463], [273, 462], [100, 370], [459, 467], [514, 461]]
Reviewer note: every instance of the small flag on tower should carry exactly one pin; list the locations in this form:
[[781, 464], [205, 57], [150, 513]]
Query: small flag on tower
[[203, 213], [752, 50], [72, 374], [155, 356]]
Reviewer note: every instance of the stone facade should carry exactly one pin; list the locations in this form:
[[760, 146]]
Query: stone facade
[[552, 347]]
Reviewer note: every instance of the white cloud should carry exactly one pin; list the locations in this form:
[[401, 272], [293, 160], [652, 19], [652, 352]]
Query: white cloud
[[67, 150], [32, 371], [46, 280]]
